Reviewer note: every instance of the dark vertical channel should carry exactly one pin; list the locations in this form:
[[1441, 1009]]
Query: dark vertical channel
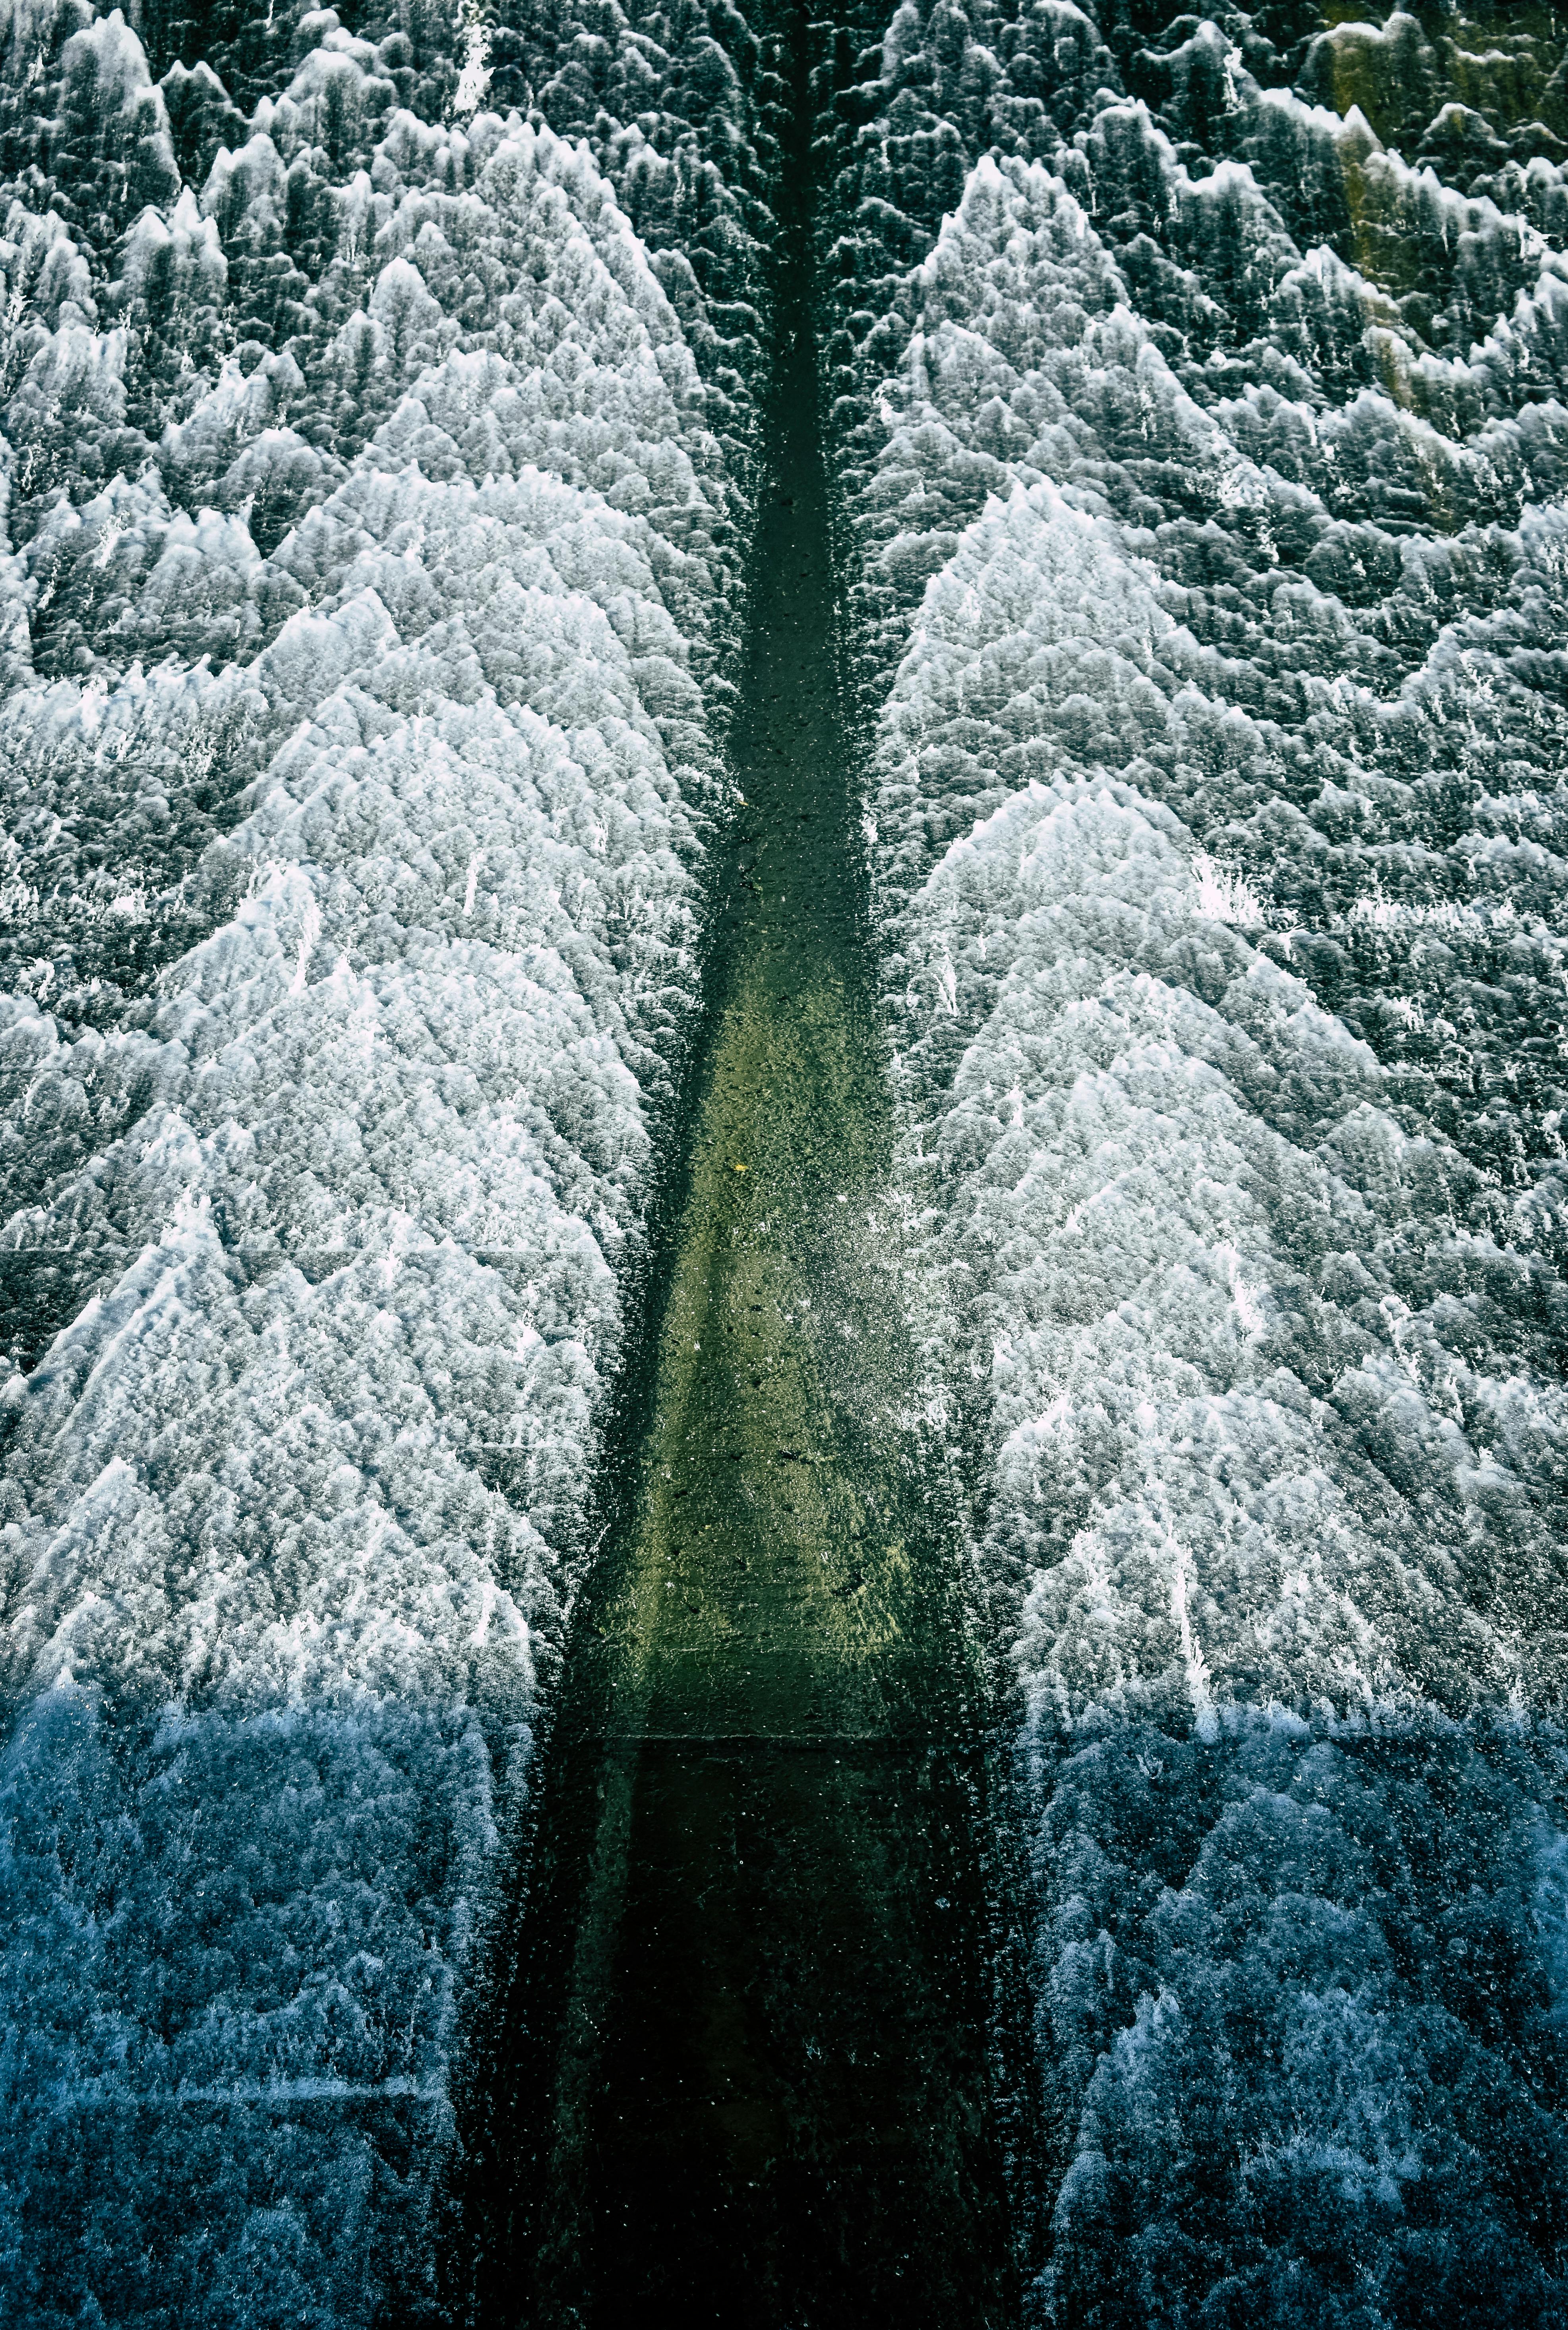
[[745, 2070]]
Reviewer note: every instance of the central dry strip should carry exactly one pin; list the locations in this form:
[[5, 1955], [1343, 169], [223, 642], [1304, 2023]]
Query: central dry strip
[[754, 2001]]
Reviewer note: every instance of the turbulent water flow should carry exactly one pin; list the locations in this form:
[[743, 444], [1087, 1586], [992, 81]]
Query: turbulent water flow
[[369, 593], [391, 587], [1199, 384], [751, 2036]]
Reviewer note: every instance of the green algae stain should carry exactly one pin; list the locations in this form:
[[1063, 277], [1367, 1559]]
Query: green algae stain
[[746, 2060], [772, 1579], [772, 2083], [746, 2069], [1502, 64]]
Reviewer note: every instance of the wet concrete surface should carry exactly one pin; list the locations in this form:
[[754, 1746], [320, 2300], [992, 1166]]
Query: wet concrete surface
[[745, 2068]]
